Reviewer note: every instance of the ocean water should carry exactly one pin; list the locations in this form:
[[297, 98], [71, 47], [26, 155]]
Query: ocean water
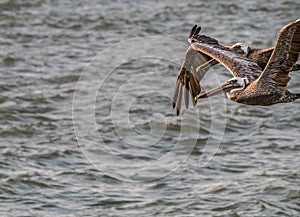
[[87, 126]]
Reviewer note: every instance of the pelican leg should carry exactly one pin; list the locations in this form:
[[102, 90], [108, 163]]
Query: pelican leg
[[295, 67]]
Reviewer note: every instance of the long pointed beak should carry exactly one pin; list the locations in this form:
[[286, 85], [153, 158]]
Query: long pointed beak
[[227, 86]]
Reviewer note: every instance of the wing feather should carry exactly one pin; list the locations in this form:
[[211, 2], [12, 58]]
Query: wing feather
[[186, 97], [179, 99], [188, 77], [260, 56], [176, 92], [284, 56], [201, 70]]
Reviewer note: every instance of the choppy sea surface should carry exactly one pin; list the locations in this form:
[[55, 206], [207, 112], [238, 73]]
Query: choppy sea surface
[[87, 127]]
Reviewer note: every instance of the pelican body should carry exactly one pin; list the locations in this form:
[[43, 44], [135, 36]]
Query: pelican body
[[251, 84], [260, 76]]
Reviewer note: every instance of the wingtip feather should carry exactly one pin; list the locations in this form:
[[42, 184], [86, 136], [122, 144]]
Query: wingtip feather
[[193, 31], [177, 112], [173, 104]]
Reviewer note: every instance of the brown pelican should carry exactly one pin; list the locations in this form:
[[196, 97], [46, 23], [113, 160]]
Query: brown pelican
[[197, 63], [251, 84], [193, 69]]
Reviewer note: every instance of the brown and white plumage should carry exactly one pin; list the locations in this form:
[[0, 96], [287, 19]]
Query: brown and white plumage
[[196, 64], [284, 56], [188, 79], [190, 74], [253, 85]]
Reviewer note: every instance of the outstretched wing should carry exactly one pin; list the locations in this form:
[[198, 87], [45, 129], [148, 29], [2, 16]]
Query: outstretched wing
[[238, 66], [284, 56], [188, 78], [260, 56]]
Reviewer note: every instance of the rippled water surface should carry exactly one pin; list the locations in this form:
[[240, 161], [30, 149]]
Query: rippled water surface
[[87, 127]]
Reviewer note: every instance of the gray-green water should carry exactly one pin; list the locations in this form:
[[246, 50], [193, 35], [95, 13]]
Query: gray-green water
[[112, 145]]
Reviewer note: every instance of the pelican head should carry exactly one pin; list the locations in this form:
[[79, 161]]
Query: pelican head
[[241, 49], [232, 87]]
